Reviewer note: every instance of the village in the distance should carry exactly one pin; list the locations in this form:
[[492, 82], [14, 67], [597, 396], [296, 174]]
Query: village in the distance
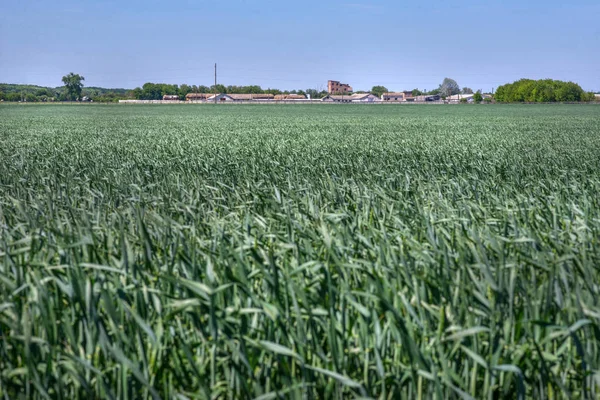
[[337, 92]]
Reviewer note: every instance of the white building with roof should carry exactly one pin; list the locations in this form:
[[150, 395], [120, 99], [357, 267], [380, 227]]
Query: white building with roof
[[354, 98], [456, 98]]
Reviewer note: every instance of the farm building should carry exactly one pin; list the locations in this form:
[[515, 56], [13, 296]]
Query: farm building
[[430, 97], [334, 98], [355, 98], [198, 96], [456, 98], [290, 97], [251, 96], [396, 96], [170, 97], [337, 87], [224, 97], [364, 98], [219, 97]]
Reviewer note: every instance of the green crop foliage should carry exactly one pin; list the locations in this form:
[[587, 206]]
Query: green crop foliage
[[197, 252]]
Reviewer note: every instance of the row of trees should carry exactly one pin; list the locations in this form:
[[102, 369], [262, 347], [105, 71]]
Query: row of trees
[[542, 91], [156, 91], [31, 93], [72, 90]]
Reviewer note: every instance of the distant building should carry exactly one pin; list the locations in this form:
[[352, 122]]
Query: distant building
[[364, 98], [428, 97], [223, 97], [280, 97], [337, 98], [198, 96], [334, 87], [170, 97], [219, 97], [354, 98], [251, 96], [397, 96], [456, 98]]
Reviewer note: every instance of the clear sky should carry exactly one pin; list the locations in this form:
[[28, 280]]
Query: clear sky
[[300, 44]]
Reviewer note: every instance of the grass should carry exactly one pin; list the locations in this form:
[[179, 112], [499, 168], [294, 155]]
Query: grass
[[299, 252]]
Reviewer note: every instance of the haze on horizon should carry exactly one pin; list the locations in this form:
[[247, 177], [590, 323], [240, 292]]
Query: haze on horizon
[[300, 45]]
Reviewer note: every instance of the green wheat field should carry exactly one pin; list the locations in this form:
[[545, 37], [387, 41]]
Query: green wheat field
[[300, 251]]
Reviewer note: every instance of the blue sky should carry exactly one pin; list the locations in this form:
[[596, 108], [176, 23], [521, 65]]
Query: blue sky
[[300, 44]]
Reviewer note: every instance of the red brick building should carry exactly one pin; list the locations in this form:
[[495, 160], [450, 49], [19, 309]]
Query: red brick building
[[337, 87]]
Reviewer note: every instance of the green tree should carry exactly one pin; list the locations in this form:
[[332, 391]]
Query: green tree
[[416, 92], [13, 97], [44, 92], [183, 90], [449, 87], [151, 91], [467, 90], [137, 93], [379, 90], [477, 97], [73, 85], [218, 89], [540, 91], [313, 93]]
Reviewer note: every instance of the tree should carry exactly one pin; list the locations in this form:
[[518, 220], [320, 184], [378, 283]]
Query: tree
[[273, 91], [151, 91], [73, 85], [379, 90], [218, 89], [183, 90], [449, 87], [540, 91], [137, 93], [13, 97], [313, 93], [477, 97], [416, 92], [44, 92], [467, 90]]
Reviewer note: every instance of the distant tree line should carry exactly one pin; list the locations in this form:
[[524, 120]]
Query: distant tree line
[[156, 91], [541, 91], [33, 93], [149, 91]]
